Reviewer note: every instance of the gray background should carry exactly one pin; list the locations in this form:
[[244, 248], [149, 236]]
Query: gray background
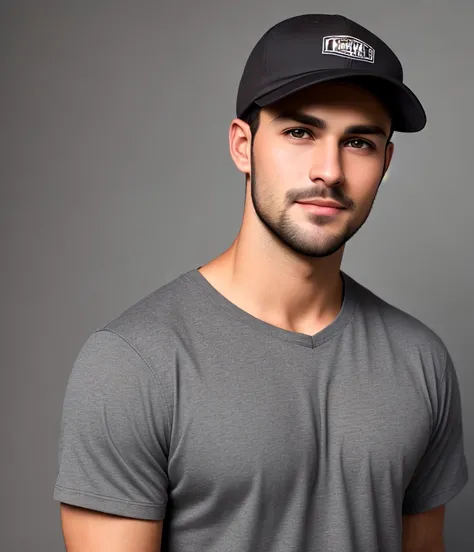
[[116, 177]]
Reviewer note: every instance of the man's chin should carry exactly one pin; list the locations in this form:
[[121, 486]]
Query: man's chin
[[315, 250]]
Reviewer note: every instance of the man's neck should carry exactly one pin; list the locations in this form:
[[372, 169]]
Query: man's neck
[[288, 292]]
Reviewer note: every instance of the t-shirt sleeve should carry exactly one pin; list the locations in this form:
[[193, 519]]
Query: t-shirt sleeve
[[442, 471], [113, 444]]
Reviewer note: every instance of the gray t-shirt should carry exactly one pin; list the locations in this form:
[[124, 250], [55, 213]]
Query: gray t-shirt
[[246, 437]]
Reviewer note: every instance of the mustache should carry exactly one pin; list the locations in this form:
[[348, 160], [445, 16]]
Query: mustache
[[334, 194]]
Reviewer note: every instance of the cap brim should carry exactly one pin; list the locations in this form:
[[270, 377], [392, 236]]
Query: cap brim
[[406, 110]]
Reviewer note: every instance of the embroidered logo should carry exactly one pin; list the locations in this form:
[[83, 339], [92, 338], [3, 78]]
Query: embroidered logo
[[349, 47]]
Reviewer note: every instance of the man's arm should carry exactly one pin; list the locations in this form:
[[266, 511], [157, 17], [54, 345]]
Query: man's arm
[[112, 482], [424, 532], [90, 531]]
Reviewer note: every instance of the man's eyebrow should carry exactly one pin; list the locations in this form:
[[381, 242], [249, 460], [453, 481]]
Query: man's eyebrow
[[302, 118], [366, 129], [316, 122]]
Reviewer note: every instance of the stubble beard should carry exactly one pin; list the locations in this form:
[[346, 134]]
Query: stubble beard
[[286, 231]]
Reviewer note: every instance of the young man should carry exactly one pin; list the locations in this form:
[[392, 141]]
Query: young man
[[266, 401]]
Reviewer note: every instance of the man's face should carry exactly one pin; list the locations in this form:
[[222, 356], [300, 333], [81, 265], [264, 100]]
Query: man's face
[[328, 142]]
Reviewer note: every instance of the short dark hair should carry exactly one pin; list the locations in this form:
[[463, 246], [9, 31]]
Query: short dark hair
[[252, 118]]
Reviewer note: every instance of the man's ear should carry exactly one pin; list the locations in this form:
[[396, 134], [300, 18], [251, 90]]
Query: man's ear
[[240, 141], [388, 158]]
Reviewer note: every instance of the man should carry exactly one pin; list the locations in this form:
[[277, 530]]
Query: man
[[266, 401]]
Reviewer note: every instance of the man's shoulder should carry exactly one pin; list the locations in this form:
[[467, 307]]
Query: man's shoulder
[[158, 316], [400, 326]]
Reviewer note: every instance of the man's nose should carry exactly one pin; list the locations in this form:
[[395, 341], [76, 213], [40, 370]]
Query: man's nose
[[327, 163]]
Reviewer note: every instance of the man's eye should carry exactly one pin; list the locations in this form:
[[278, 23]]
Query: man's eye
[[297, 133], [357, 143]]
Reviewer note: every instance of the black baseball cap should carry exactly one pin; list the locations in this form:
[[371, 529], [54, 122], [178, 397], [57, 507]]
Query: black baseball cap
[[316, 48]]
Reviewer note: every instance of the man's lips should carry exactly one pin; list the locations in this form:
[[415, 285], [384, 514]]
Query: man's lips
[[322, 207]]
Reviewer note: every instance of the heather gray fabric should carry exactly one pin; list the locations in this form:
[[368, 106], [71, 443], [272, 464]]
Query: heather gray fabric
[[246, 437]]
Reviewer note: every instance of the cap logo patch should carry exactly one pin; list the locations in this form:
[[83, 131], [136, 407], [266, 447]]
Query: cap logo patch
[[349, 47]]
